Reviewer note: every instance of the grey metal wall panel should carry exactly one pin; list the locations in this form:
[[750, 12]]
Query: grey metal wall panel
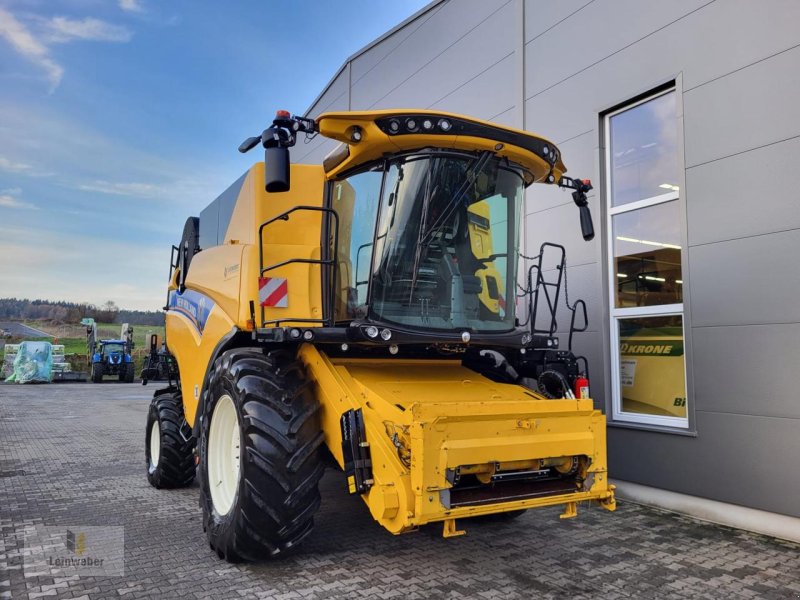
[[447, 28], [335, 97], [485, 96], [747, 370], [508, 117], [704, 45], [727, 449], [725, 36], [744, 195], [584, 283], [746, 281], [374, 56], [575, 53], [425, 80], [746, 109], [561, 225], [541, 16]]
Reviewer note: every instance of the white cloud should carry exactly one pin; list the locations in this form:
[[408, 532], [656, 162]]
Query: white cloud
[[56, 30], [63, 29], [14, 167], [131, 5], [15, 191], [143, 190], [9, 201], [21, 39], [134, 279]]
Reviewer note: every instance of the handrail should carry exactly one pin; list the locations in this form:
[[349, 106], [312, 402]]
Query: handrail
[[545, 288], [331, 263]]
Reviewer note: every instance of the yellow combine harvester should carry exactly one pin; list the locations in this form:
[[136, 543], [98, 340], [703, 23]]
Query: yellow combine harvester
[[369, 308]]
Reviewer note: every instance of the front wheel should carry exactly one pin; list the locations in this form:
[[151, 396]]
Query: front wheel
[[260, 462], [97, 372], [169, 444]]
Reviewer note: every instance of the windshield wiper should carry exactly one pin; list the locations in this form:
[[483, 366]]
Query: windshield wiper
[[424, 239], [469, 179], [423, 222]]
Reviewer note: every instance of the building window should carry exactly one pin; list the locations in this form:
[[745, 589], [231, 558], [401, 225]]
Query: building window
[[645, 238]]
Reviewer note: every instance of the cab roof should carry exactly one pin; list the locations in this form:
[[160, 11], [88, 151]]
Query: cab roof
[[370, 135]]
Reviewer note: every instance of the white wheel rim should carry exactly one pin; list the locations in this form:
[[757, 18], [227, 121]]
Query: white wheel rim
[[155, 444], [223, 455]]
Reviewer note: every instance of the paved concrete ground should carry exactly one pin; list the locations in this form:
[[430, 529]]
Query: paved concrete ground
[[72, 455]]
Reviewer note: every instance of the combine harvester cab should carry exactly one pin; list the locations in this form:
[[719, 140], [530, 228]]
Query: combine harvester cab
[[369, 306]]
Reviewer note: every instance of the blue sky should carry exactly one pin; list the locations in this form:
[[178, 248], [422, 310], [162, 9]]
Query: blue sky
[[120, 118]]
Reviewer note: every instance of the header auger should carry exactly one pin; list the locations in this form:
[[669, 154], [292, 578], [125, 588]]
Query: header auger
[[362, 314]]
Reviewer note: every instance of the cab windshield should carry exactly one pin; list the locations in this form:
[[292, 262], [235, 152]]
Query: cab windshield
[[429, 241], [112, 348]]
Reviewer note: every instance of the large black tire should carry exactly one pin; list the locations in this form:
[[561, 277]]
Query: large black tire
[[175, 466], [122, 373], [130, 372], [280, 465], [97, 372]]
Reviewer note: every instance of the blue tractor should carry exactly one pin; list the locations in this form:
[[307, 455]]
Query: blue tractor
[[110, 357]]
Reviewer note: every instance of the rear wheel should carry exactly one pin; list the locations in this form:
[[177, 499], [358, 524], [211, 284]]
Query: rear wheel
[[260, 461], [97, 372], [169, 444]]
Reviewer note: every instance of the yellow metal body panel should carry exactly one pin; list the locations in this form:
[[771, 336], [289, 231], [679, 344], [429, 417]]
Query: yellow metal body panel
[[227, 275], [449, 416]]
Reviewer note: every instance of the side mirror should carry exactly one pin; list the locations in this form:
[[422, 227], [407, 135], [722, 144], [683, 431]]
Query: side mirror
[[277, 139], [587, 227], [276, 169], [581, 187]]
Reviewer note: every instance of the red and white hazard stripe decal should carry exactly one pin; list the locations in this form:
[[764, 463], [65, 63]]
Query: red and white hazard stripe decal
[[273, 292]]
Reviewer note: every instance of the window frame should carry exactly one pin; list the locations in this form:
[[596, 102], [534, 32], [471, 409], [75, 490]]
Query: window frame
[[680, 425]]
